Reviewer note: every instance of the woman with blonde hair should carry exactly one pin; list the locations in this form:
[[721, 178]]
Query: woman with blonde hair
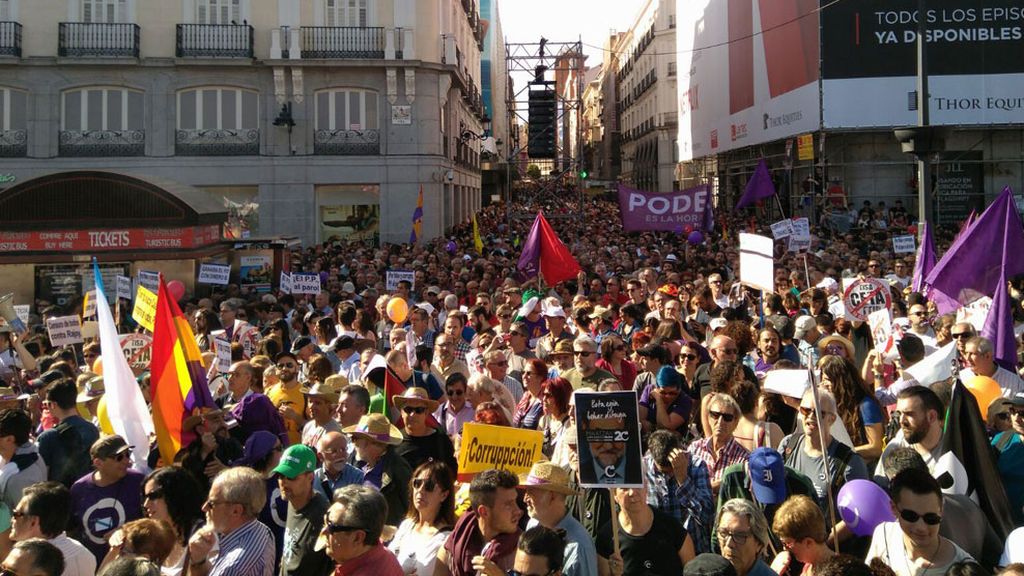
[[483, 388], [800, 526]]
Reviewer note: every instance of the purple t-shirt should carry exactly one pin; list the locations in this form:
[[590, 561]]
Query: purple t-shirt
[[681, 406], [102, 509]]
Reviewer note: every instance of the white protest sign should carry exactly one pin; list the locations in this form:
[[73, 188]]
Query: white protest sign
[[798, 244], [975, 312], [862, 297], [802, 229], [149, 280], [22, 311], [837, 308], [286, 283], [782, 229], [791, 383], [138, 349], [393, 277], [756, 262], [880, 322], [64, 330], [124, 287], [223, 347], [210, 273], [305, 283], [904, 244], [90, 304]]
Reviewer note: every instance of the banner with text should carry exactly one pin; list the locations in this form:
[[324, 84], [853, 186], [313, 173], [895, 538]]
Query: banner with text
[[671, 212], [210, 273], [64, 330], [485, 447]]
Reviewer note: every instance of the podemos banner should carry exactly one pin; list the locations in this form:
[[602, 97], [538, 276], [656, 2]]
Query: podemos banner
[[657, 211]]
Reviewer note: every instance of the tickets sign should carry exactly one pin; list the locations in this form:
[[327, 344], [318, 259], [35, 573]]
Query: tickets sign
[[485, 447], [862, 297]]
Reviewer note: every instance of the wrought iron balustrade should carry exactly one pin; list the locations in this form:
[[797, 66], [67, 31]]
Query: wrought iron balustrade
[[13, 143], [98, 40], [102, 143], [217, 142], [10, 39], [214, 41], [346, 142], [331, 42]]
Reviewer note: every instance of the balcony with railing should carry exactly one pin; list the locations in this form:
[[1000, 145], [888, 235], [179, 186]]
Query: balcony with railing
[[214, 41], [13, 143], [337, 42], [346, 142], [86, 143], [217, 142], [98, 40], [10, 39]]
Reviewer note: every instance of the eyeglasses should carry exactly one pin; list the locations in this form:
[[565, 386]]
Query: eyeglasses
[[930, 518], [835, 350], [409, 410], [211, 503], [499, 363], [287, 365], [738, 538], [583, 353], [1016, 412], [427, 484], [505, 316], [725, 416], [960, 335], [120, 457], [153, 495], [19, 514], [715, 282], [455, 392], [873, 265], [1003, 416], [333, 528], [688, 356]]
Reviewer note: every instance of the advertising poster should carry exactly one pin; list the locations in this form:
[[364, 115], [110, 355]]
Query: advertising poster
[[255, 273], [959, 186], [608, 430]]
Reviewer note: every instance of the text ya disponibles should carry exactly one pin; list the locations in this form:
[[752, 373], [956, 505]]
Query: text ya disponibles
[[502, 456]]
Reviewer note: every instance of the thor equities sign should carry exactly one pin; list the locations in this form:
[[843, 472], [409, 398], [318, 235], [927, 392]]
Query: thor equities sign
[[656, 211]]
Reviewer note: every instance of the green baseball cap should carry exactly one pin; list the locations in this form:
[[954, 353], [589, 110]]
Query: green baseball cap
[[297, 459]]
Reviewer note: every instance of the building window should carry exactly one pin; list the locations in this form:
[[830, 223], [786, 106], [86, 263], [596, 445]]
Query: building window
[[218, 11], [671, 69], [346, 12], [13, 133], [347, 122], [105, 11], [5, 10], [98, 108], [216, 121]]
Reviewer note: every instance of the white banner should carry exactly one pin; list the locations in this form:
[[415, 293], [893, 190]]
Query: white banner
[[305, 283], [149, 280], [880, 322], [756, 261], [904, 244], [393, 277], [22, 310], [90, 304], [124, 287], [223, 348], [286, 283], [782, 229], [210, 273], [802, 229], [138, 349], [64, 330]]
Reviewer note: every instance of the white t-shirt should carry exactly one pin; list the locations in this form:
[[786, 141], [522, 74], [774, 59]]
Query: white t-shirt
[[416, 553], [887, 544], [78, 560]]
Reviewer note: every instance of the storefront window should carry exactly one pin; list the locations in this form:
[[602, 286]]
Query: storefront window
[[349, 212]]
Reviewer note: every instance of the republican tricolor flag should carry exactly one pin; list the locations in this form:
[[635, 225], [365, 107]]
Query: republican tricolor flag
[[417, 220], [178, 378]]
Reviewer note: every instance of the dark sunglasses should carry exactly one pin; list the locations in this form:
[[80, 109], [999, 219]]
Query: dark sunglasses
[[153, 495], [961, 335], [414, 409], [333, 528], [427, 484], [726, 416], [455, 392], [583, 353], [808, 412], [931, 518], [688, 356], [1003, 416]]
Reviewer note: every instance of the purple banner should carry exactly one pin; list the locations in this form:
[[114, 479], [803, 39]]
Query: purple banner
[[671, 212]]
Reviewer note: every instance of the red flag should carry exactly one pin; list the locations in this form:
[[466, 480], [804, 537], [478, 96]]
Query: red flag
[[556, 262], [392, 387]]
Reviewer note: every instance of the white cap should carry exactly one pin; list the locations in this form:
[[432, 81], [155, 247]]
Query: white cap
[[528, 306], [426, 306], [717, 323]]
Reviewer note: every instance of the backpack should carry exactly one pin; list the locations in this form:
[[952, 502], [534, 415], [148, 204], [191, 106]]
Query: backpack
[[841, 457], [77, 461]]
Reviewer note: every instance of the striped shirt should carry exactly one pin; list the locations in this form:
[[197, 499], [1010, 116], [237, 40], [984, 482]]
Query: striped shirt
[[245, 551], [717, 462]]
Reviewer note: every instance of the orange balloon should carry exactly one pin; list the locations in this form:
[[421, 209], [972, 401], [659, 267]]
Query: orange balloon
[[985, 390], [397, 310], [97, 366]]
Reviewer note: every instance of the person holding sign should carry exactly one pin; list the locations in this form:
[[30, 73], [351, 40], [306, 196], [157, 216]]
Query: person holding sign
[[14, 357], [650, 541], [612, 455]]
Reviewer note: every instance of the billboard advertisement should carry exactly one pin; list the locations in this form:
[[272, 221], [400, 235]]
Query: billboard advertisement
[[869, 62], [748, 73]]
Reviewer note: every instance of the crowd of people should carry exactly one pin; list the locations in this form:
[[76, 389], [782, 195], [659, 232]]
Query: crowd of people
[[305, 466]]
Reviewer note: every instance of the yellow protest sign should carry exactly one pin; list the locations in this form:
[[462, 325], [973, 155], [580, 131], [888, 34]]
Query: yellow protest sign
[[145, 308], [484, 447], [805, 147]]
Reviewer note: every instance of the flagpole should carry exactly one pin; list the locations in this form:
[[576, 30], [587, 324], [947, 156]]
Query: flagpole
[[779, 202], [824, 456]]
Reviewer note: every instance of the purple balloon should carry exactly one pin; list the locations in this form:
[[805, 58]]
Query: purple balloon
[[450, 247], [864, 505], [695, 237]]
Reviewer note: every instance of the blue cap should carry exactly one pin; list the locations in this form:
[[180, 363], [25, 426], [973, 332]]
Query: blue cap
[[668, 377], [767, 476]]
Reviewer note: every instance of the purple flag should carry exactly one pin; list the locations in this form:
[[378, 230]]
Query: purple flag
[[759, 187], [981, 258], [999, 329], [670, 211], [925, 259], [709, 218], [529, 259]]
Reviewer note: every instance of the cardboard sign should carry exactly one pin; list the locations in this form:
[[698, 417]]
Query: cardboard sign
[[124, 287], [223, 348], [151, 280], [802, 229], [862, 297], [608, 429], [22, 311], [904, 244], [975, 312], [791, 383], [757, 266], [286, 283], [305, 283], [880, 322], [64, 330], [145, 308], [782, 229], [138, 350], [798, 245], [218, 274], [393, 277], [89, 304], [485, 447], [805, 147]]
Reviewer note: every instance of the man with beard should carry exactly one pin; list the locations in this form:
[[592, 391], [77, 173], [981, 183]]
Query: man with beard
[[585, 371], [921, 420], [335, 472], [485, 537], [547, 487], [769, 344], [212, 449], [287, 396]]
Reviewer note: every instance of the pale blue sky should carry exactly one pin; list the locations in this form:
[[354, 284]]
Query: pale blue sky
[[567, 21]]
